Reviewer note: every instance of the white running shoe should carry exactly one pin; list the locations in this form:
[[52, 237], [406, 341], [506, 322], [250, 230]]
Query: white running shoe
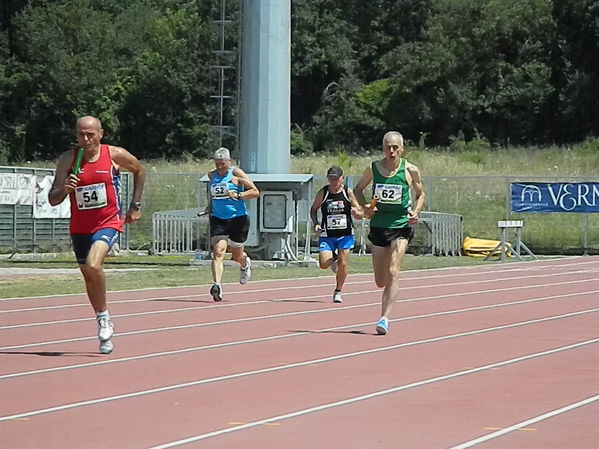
[[382, 326], [106, 347], [337, 296], [245, 274], [217, 292], [105, 328]]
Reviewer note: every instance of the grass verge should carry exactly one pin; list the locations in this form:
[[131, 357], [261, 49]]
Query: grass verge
[[175, 271]]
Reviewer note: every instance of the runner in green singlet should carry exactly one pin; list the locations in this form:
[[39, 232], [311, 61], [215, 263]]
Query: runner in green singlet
[[392, 214]]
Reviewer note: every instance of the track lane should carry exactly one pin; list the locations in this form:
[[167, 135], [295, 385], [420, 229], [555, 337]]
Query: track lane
[[550, 333]]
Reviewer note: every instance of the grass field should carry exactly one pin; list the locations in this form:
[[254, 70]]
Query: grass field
[[481, 203], [168, 271], [475, 158], [470, 181]]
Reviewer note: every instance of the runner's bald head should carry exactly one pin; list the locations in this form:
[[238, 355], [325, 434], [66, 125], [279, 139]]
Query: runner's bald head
[[89, 121], [395, 134]]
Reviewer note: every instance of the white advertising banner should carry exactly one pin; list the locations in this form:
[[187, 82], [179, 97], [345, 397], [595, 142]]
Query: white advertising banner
[[17, 188], [42, 207]]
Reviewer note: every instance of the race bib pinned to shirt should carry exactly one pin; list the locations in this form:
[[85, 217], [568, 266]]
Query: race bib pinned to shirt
[[92, 196], [337, 221], [388, 193], [220, 191]]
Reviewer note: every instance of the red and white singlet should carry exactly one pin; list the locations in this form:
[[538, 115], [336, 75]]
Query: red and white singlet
[[95, 204]]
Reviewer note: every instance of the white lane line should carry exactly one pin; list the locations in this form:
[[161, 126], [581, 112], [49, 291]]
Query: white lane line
[[312, 362], [369, 396], [280, 315], [405, 277], [174, 297], [280, 336], [528, 422], [197, 325], [468, 270], [204, 296], [403, 289], [239, 292]]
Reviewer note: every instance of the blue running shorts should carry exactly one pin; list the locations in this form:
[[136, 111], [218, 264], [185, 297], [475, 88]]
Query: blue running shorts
[[82, 243], [333, 243]]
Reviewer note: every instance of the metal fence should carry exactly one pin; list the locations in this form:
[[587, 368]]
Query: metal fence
[[436, 233], [178, 231], [481, 201], [445, 233], [22, 232], [183, 232]]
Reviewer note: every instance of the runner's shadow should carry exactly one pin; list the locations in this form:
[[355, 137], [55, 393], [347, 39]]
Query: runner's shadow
[[332, 332], [193, 301], [52, 353]]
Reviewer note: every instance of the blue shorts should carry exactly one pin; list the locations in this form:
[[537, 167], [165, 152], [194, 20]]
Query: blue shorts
[[82, 243], [333, 243]]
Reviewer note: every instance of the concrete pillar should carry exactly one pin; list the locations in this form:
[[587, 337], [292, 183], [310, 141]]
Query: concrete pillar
[[265, 110]]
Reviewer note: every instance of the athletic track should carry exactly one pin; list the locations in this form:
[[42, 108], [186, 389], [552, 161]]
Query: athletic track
[[501, 356]]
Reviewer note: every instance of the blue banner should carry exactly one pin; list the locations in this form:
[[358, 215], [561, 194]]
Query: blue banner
[[555, 197]]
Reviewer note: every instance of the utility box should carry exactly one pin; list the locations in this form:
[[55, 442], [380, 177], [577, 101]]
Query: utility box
[[278, 211], [278, 215]]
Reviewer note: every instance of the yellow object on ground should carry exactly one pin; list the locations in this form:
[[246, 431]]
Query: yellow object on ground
[[482, 248]]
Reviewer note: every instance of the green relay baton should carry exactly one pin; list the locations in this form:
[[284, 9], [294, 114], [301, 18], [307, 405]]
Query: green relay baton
[[78, 159]]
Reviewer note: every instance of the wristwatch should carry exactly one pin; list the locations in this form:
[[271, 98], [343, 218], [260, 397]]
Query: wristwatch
[[135, 205]]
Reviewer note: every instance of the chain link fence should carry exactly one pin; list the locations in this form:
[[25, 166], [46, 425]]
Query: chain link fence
[[26, 224], [20, 231], [481, 201]]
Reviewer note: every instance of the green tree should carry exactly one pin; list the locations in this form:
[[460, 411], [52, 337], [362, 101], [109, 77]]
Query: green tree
[[168, 110], [321, 53], [353, 116], [337, 53], [479, 70], [141, 66], [575, 72], [383, 25], [452, 70]]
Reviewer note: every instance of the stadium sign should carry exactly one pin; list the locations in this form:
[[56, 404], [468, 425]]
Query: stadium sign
[[555, 197]]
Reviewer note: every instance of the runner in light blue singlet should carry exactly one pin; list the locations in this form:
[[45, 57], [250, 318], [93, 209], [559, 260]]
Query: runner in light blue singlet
[[223, 206]]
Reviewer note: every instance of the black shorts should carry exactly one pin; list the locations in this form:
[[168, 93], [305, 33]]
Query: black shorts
[[235, 228], [384, 236], [82, 243]]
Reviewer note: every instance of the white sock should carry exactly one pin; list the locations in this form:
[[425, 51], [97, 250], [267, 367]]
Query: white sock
[[104, 314]]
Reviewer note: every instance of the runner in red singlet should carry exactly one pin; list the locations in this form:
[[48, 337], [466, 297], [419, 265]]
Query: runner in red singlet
[[95, 203], [96, 212]]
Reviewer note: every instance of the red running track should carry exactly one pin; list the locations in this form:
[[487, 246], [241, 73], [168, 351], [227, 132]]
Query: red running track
[[494, 357]]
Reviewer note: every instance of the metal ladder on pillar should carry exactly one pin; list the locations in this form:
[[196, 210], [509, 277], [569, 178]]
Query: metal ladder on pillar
[[226, 66]]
